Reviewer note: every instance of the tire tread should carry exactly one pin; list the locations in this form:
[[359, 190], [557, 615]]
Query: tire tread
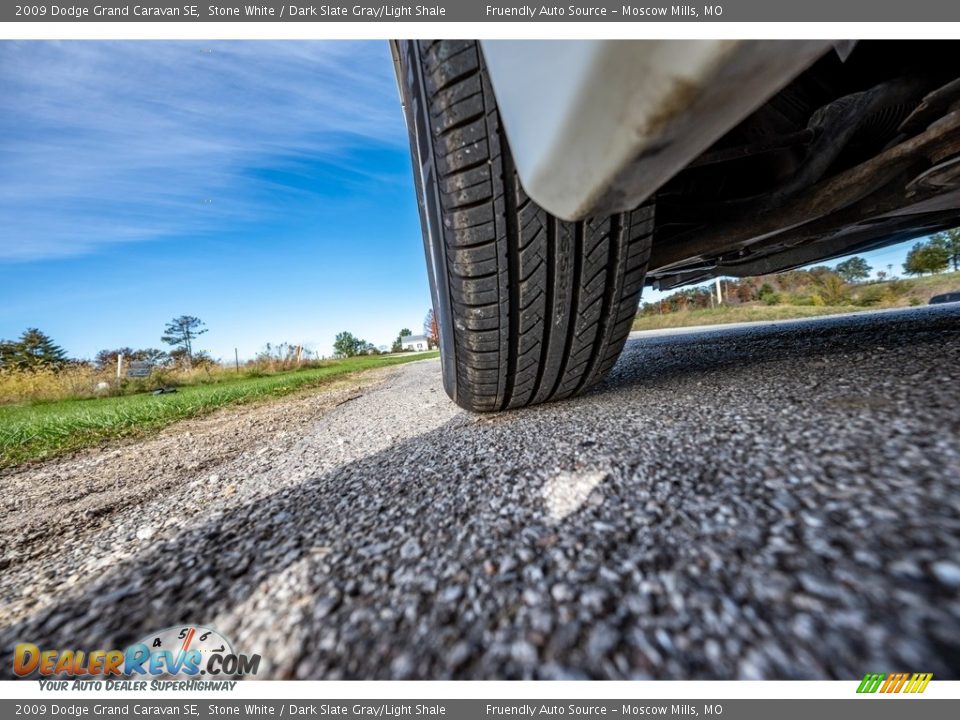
[[542, 307]]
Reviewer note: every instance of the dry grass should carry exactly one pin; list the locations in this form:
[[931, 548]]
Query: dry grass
[[737, 314], [867, 296], [45, 429], [78, 382], [48, 385]]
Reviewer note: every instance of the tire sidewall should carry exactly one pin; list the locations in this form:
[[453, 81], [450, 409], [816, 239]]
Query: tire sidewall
[[428, 201]]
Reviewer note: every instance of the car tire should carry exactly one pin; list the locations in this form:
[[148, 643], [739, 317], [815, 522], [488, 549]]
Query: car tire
[[530, 308]]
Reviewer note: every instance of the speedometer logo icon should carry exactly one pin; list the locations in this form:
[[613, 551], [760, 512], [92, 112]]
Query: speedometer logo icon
[[185, 651]]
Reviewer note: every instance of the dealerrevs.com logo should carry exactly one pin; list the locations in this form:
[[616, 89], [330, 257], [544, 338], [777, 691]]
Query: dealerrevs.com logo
[[183, 652]]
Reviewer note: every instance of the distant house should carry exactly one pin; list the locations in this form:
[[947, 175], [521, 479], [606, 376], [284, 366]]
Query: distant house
[[414, 342]]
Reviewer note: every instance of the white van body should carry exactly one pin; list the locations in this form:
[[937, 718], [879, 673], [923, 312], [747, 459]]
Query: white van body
[[596, 126]]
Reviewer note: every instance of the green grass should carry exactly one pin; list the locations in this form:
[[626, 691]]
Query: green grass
[[43, 430], [926, 286]]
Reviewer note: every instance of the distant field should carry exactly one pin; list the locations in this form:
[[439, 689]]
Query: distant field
[[930, 285], [42, 430], [738, 313], [918, 291]]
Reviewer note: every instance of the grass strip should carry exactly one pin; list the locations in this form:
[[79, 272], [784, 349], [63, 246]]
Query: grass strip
[[44, 430]]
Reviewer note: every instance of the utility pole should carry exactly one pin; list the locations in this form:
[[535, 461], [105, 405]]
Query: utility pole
[[119, 368], [236, 359], [719, 293]]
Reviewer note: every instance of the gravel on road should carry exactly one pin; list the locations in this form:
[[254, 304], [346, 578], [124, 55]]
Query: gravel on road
[[777, 501]]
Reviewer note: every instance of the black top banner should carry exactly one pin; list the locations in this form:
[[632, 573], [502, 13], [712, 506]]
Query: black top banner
[[479, 11]]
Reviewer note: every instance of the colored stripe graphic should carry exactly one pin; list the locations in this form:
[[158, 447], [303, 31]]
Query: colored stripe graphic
[[894, 682], [870, 683], [918, 683]]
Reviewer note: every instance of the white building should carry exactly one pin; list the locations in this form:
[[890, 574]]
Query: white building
[[417, 343]]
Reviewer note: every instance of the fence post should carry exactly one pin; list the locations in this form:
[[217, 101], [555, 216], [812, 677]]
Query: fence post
[[119, 368]]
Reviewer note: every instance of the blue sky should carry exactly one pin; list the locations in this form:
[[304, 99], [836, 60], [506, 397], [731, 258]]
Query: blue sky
[[264, 187]]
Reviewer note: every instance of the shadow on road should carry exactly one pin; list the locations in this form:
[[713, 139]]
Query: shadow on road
[[662, 359], [707, 538]]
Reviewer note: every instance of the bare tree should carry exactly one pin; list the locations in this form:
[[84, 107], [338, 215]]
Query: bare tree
[[430, 329]]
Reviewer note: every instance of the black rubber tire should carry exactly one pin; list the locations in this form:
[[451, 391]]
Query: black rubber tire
[[530, 308]]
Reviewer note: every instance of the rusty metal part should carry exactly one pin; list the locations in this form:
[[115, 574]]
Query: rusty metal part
[[945, 176], [829, 132], [934, 105], [874, 187], [836, 124]]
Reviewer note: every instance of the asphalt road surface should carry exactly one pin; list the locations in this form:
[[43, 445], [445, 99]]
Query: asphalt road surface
[[777, 501]]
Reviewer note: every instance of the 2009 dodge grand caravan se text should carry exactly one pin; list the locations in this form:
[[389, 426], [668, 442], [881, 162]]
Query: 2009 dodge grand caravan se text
[[557, 178]]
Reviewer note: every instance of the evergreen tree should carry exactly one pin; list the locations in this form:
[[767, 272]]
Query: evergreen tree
[[34, 350]]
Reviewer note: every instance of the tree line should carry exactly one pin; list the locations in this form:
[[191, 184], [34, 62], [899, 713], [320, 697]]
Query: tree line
[[938, 253], [819, 285], [347, 344], [35, 350]]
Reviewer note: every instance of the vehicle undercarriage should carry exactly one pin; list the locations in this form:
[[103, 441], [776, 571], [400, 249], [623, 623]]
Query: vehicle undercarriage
[[860, 151]]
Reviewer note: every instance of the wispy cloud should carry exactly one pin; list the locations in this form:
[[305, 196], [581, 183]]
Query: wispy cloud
[[104, 142]]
